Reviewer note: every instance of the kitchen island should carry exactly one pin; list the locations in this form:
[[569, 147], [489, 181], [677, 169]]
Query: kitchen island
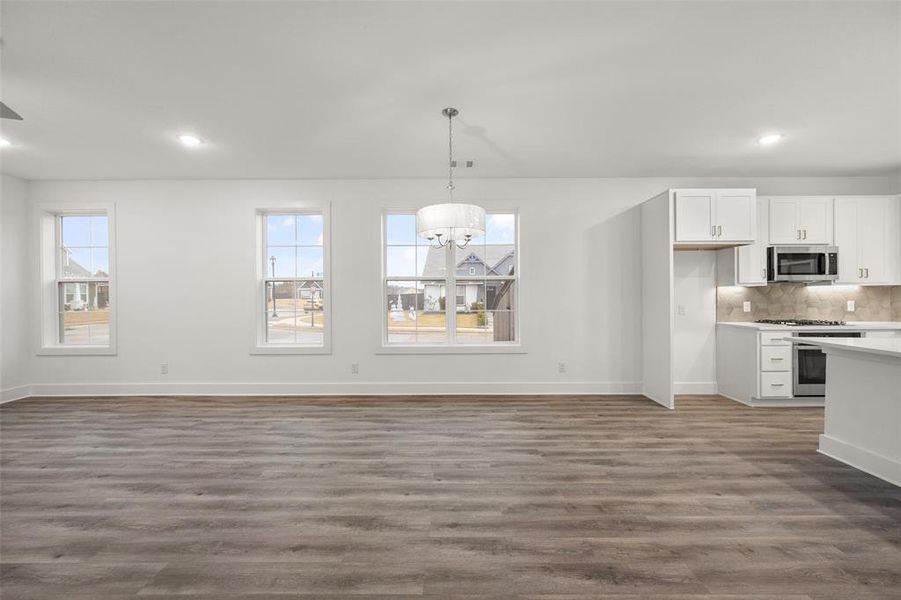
[[863, 403]]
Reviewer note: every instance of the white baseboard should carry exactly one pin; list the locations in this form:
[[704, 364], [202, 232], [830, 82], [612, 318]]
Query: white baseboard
[[882, 467], [778, 402], [15, 393], [704, 388], [334, 389]]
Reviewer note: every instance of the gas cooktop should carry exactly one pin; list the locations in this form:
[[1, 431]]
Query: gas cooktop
[[800, 322]]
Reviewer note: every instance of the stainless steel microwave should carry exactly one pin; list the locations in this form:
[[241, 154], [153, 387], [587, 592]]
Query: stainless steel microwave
[[802, 263]]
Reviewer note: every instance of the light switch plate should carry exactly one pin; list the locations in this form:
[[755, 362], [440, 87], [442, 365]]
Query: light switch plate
[[851, 305], [746, 306]]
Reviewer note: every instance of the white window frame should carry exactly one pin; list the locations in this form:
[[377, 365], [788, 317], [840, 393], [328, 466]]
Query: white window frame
[[48, 235], [259, 345], [450, 283]]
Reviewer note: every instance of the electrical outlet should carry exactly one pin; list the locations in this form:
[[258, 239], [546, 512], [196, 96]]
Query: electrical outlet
[[746, 306], [354, 368], [164, 368], [851, 306], [561, 367]]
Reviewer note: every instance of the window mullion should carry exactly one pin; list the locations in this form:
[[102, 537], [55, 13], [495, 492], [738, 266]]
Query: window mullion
[[450, 293]]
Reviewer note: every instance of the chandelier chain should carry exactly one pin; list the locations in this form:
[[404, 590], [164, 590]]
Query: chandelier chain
[[450, 154]]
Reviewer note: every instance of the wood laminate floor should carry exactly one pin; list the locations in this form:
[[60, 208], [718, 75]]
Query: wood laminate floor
[[518, 497]]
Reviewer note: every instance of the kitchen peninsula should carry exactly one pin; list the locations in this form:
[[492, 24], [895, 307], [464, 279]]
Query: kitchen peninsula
[[863, 403]]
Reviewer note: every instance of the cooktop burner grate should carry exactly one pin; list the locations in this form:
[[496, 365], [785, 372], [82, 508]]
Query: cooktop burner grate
[[800, 322]]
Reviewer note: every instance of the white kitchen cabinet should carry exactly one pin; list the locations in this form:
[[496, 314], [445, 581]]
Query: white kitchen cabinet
[[866, 233], [714, 217], [694, 216], [754, 362], [746, 265], [803, 220]]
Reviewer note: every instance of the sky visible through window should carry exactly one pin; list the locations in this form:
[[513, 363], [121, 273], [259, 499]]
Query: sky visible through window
[[403, 259], [295, 241], [85, 246]]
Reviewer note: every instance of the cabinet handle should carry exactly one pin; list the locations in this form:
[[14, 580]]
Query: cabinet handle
[[866, 273], [775, 358], [805, 234], [719, 231], [763, 273], [777, 384], [799, 234], [860, 273], [713, 231]]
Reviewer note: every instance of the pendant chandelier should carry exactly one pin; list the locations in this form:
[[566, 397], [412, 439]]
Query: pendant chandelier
[[450, 222]]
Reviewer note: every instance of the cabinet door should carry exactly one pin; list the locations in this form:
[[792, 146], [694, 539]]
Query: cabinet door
[[752, 258], [815, 220], [735, 215], [872, 214], [694, 216], [846, 229], [784, 228]]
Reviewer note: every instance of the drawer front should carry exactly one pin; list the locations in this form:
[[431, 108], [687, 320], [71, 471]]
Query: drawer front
[[883, 334], [775, 358], [776, 385], [774, 338]]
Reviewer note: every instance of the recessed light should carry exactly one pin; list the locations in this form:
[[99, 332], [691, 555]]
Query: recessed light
[[4, 143], [189, 140], [769, 139]]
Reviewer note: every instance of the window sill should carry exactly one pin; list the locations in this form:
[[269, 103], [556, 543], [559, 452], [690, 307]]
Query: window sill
[[77, 351], [474, 349], [288, 350]]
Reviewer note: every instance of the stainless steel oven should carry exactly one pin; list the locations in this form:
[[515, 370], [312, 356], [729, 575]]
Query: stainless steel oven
[[809, 363], [802, 263]]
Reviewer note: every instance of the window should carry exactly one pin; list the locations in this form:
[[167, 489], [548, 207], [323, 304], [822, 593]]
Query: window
[[76, 281], [83, 280], [292, 282], [417, 277]]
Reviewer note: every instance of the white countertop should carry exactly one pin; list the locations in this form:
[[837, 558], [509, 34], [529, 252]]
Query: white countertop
[[881, 346], [851, 326]]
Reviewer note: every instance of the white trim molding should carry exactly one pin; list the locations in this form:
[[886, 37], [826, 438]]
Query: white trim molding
[[882, 467], [46, 235], [448, 282], [701, 388], [15, 393], [259, 345], [394, 388]]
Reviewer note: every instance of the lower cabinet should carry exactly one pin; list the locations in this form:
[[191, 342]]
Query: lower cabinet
[[755, 367], [776, 385], [775, 366]]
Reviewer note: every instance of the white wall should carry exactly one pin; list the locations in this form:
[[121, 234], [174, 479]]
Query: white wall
[[694, 329], [13, 269], [580, 247], [657, 299]]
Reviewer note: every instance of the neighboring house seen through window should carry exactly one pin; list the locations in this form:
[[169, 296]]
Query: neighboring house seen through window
[[483, 275]]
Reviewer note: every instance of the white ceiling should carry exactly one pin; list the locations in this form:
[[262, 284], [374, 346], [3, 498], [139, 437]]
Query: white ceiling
[[354, 90]]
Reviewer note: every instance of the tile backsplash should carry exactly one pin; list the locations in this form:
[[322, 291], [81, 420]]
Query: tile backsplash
[[792, 300]]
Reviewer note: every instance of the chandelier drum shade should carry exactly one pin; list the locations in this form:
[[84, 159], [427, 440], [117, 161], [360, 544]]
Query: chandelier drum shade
[[451, 222]]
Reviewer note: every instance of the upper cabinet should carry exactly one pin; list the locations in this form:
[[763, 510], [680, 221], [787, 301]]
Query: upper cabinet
[[715, 217], [868, 239], [746, 265], [802, 220]]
